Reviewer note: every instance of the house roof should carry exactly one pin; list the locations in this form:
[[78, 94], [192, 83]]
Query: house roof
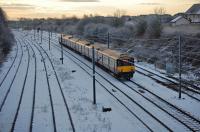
[[195, 9], [178, 18]]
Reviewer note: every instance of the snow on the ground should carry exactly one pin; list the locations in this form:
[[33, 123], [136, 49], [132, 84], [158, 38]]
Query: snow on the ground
[[23, 119], [77, 88], [186, 103], [154, 125], [61, 116], [42, 120], [8, 61], [76, 85], [186, 75]]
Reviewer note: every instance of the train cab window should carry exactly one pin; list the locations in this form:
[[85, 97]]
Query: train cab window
[[132, 60], [123, 63]]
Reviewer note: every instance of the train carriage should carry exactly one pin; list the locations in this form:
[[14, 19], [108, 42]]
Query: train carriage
[[82, 44]]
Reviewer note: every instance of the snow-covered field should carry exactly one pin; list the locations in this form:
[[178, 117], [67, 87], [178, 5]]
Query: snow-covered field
[[39, 94]]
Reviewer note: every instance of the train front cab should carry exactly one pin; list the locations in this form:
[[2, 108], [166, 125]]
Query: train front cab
[[125, 68]]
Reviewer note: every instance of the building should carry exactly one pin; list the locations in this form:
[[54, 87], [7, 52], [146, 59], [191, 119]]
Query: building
[[180, 20], [191, 16]]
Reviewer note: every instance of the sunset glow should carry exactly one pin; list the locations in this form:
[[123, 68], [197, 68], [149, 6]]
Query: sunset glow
[[57, 8]]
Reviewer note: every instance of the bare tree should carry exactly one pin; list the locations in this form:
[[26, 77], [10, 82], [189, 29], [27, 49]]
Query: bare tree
[[117, 20], [160, 11], [119, 13]]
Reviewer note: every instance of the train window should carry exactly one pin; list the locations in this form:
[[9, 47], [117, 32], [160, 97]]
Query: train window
[[124, 63], [132, 60]]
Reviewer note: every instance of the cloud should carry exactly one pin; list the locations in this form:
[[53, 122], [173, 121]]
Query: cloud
[[151, 3], [79, 0], [18, 6]]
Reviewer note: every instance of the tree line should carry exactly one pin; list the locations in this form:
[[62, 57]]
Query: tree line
[[6, 36]]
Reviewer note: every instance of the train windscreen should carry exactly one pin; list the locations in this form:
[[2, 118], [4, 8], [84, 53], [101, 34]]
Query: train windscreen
[[125, 62]]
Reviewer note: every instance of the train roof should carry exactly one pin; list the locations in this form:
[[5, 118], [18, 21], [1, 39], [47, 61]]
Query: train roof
[[115, 54], [66, 36], [99, 46], [74, 39], [83, 42], [112, 53]]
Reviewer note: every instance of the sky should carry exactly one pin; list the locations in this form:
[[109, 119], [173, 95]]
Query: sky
[[58, 8]]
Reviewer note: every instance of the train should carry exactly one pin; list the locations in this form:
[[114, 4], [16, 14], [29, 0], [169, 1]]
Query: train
[[121, 65]]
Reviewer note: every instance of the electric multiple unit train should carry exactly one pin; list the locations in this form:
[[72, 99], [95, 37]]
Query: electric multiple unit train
[[121, 65]]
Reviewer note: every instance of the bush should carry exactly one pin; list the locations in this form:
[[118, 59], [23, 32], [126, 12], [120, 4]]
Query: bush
[[197, 35], [154, 28], [117, 22], [120, 35], [92, 29], [141, 27], [131, 27], [88, 20]]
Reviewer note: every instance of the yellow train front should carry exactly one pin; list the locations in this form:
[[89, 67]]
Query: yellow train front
[[121, 65], [125, 68]]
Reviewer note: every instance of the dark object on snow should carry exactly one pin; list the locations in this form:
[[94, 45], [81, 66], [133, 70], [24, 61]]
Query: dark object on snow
[[73, 71], [114, 90], [38, 29], [106, 109], [141, 91]]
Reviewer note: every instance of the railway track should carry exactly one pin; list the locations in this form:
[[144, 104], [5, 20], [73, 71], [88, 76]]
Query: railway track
[[10, 65], [12, 80], [62, 93], [42, 51], [22, 92], [188, 90], [188, 84], [183, 117], [174, 80], [35, 87], [49, 90], [21, 96], [34, 91], [190, 93], [24, 61]]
